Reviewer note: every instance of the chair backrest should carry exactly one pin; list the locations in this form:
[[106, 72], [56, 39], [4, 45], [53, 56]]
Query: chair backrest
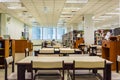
[[48, 55], [40, 65], [47, 50], [89, 65], [26, 52], [67, 50], [47, 65], [117, 63], [8, 60], [118, 58]]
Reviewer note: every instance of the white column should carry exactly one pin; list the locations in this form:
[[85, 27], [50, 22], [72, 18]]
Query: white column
[[80, 26], [88, 29], [3, 24], [75, 26]]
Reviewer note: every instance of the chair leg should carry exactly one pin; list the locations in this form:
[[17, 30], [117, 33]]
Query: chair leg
[[34, 77], [73, 74], [117, 67], [63, 75]]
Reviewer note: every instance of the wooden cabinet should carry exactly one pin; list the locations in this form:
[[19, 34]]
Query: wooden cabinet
[[110, 50], [6, 49], [20, 45]]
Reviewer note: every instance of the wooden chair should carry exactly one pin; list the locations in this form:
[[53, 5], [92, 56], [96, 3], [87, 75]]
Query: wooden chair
[[46, 69], [26, 52], [80, 65], [93, 51], [117, 63], [13, 76]]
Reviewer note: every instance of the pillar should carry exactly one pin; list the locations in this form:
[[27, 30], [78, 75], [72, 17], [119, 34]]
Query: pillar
[[88, 29], [3, 24]]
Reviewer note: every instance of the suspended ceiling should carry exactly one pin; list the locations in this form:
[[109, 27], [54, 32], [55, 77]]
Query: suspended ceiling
[[60, 12]]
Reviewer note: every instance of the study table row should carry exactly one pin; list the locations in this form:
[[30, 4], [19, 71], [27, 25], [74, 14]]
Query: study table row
[[23, 64]]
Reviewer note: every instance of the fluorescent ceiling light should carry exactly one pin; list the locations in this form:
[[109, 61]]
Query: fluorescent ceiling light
[[76, 1], [117, 8], [66, 16], [15, 6], [72, 8], [98, 19], [105, 16], [66, 13], [9, 0], [113, 13]]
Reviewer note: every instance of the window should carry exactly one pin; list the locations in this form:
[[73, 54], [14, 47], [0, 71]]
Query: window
[[36, 31], [46, 33], [60, 32]]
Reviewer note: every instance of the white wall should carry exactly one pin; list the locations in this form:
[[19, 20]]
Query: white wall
[[14, 27]]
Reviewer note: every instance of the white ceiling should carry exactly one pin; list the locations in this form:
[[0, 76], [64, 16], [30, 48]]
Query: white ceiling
[[59, 12]]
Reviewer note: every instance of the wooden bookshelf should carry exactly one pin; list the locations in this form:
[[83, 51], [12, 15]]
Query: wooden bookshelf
[[4, 51], [7, 48], [70, 39], [110, 50]]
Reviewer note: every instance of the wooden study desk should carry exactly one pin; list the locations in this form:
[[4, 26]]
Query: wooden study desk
[[23, 64]]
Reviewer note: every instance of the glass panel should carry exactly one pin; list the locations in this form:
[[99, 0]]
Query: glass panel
[[60, 32], [36, 33]]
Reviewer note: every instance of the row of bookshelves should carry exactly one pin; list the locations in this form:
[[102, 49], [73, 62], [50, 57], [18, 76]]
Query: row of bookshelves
[[69, 39]]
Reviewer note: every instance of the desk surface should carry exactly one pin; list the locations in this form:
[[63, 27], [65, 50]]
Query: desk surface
[[66, 59]]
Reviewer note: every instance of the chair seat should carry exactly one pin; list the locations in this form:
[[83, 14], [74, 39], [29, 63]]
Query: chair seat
[[45, 72], [47, 78], [81, 72], [13, 76]]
